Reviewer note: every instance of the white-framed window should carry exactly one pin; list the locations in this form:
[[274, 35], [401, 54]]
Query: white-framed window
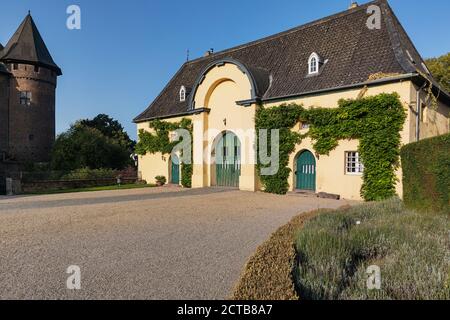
[[313, 63], [25, 98], [182, 94], [353, 164]]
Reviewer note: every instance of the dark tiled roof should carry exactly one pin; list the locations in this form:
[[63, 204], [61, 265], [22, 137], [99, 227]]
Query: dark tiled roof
[[3, 69], [353, 53], [27, 45]]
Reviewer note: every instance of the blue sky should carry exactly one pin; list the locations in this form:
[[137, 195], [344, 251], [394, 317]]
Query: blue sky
[[126, 51]]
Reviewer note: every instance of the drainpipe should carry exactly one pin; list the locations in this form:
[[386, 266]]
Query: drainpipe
[[418, 111], [8, 133]]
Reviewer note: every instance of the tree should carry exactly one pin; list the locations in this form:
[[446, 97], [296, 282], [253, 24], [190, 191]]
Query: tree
[[84, 146], [110, 128], [440, 68]]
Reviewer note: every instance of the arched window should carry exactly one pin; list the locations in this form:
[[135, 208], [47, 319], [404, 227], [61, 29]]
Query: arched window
[[313, 63], [182, 94]]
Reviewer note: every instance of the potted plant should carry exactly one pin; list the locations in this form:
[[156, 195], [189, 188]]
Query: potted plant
[[160, 180]]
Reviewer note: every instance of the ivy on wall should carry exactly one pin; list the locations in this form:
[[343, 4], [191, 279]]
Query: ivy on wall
[[284, 118], [376, 121], [159, 141]]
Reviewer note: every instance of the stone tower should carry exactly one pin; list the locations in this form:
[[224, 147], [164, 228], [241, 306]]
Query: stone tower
[[28, 78]]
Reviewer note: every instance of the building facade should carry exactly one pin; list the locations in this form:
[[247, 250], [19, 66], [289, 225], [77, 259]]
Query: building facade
[[314, 65], [28, 79]]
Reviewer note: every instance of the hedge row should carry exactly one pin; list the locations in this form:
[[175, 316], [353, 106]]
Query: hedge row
[[426, 174], [268, 273]]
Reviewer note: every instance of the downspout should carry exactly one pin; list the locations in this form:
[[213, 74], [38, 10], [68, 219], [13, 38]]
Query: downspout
[[418, 111], [8, 123]]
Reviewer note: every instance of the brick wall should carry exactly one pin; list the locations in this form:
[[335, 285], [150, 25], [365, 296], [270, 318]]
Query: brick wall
[[32, 128], [4, 89], [43, 186]]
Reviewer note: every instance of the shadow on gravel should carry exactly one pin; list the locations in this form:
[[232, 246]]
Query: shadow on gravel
[[109, 199]]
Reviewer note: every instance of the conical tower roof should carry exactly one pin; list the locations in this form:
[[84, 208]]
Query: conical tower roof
[[27, 45]]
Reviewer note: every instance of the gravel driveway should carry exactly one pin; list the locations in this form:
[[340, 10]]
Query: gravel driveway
[[158, 243]]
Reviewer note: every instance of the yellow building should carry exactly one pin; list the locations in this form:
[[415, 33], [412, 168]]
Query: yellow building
[[363, 51]]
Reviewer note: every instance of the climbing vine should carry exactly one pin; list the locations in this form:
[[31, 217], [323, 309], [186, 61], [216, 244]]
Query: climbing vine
[[159, 141], [376, 121], [284, 118]]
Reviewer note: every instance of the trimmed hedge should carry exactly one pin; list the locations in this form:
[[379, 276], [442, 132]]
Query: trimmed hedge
[[268, 273], [426, 174]]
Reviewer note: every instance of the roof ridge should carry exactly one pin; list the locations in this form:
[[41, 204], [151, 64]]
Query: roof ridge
[[291, 30]]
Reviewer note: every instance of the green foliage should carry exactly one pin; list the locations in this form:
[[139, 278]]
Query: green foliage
[[110, 128], [86, 147], [284, 118], [161, 179], [187, 171], [87, 173], [159, 141], [440, 68], [375, 121], [410, 248], [426, 174]]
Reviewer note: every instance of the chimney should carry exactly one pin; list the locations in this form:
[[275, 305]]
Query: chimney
[[353, 5]]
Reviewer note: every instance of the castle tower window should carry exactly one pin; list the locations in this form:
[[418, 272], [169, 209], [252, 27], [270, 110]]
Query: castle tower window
[[15, 66], [36, 69], [25, 98], [182, 94]]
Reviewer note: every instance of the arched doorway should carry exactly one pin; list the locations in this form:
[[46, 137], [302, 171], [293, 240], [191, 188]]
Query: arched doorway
[[227, 160], [175, 169], [306, 171]]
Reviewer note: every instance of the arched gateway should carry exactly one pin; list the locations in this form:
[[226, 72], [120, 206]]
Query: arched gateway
[[227, 165]]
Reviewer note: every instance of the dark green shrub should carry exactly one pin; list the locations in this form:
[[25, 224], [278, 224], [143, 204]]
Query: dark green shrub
[[87, 174], [426, 174], [161, 180]]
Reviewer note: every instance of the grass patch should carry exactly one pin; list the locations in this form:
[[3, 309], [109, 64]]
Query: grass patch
[[411, 249], [93, 189], [268, 273]]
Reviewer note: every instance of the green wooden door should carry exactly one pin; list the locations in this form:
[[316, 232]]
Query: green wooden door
[[228, 161], [175, 172], [306, 171]]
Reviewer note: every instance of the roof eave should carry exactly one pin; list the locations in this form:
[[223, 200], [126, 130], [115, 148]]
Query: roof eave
[[176, 115], [40, 64], [402, 77]]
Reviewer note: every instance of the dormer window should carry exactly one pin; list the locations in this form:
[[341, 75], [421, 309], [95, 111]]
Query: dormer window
[[183, 94], [313, 63]]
